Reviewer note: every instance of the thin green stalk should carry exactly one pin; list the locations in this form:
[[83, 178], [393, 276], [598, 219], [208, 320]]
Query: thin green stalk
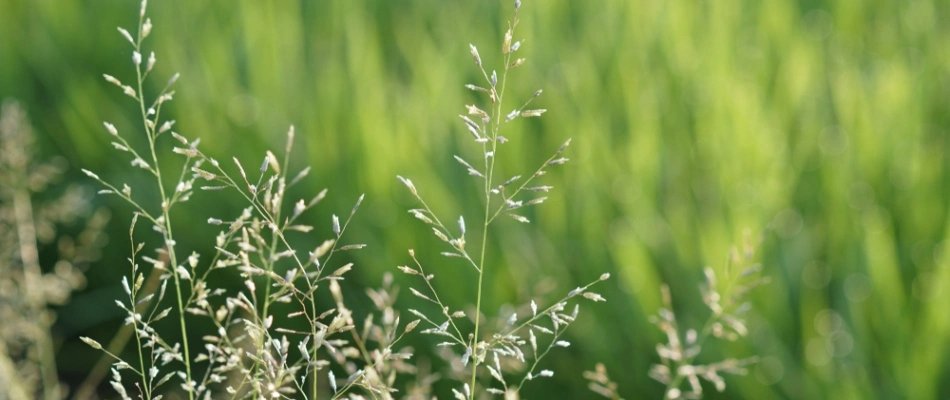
[[269, 263], [313, 333], [146, 386], [269, 267], [87, 389], [478, 301], [496, 115], [168, 236], [490, 161]]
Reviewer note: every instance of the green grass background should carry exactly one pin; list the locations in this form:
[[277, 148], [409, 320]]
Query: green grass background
[[822, 124]]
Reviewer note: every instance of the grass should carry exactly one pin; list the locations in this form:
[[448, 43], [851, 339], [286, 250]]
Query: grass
[[250, 356], [32, 224], [510, 196], [255, 246], [690, 122]]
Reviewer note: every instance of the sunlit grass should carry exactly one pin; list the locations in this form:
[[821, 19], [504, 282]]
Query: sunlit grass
[[691, 122]]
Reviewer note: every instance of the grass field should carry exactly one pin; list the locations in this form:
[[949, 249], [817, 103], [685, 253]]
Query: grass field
[[820, 125]]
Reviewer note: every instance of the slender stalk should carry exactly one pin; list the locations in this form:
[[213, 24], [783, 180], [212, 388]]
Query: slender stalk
[[478, 301], [490, 170], [314, 393], [146, 386], [496, 118], [269, 263], [87, 389], [165, 206]]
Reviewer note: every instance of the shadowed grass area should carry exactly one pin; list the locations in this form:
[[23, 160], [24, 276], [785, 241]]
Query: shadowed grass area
[[823, 124]]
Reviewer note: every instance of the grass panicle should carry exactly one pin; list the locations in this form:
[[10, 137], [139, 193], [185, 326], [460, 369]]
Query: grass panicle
[[509, 357], [251, 354], [678, 369], [279, 335]]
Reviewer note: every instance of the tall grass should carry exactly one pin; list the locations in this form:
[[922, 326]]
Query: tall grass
[[505, 351], [691, 122], [255, 352], [248, 356]]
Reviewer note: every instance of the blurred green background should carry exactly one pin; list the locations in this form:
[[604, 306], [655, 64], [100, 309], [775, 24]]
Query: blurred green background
[[821, 124]]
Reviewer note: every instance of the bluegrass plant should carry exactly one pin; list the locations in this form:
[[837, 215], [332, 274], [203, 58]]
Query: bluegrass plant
[[499, 361], [254, 352], [250, 354], [678, 369], [726, 321]]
